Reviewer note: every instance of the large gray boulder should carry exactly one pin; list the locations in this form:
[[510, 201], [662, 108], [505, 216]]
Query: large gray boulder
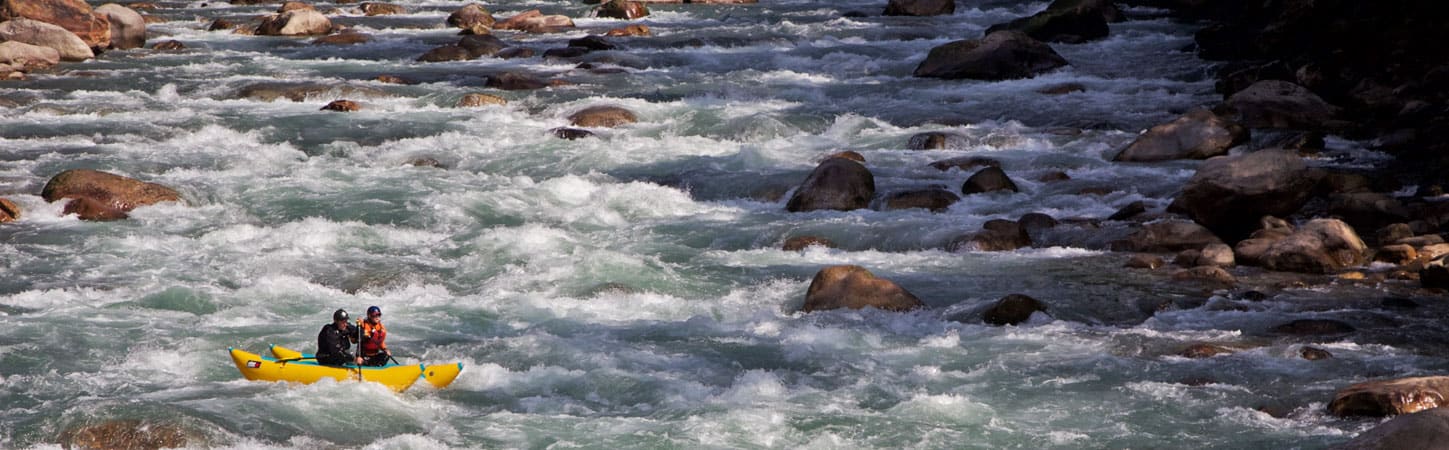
[[1281, 104], [1199, 134], [1423, 430], [34, 32], [837, 183], [1229, 194], [128, 28], [920, 7], [854, 287], [1319, 246], [1001, 55], [1066, 21]]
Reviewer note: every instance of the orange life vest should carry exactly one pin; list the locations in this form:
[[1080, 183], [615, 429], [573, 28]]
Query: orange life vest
[[374, 336]]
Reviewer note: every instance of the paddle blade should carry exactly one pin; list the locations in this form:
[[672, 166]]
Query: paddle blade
[[441, 375]]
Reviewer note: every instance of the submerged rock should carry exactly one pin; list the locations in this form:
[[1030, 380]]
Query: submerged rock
[[920, 7], [798, 243], [381, 9], [1390, 397], [342, 106], [571, 133], [1204, 350], [1001, 55], [1313, 327], [854, 287], [475, 100], [837, 183], [602, 116], [936, 200], [127, 434], [996, 235], [1314, 353], [1012, 310]]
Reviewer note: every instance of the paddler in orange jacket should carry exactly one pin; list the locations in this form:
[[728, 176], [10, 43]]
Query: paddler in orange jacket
[[374, 337]]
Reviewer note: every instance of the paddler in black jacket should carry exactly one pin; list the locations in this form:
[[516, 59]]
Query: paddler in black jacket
[[334, 343]]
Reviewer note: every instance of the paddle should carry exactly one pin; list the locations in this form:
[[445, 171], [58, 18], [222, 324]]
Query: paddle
[[295, 359]]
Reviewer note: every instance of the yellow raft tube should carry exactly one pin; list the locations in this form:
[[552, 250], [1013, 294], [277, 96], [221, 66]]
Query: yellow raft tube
[[291, 365]]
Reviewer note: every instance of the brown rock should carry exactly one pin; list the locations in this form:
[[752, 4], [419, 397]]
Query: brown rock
[[1199, 134], [471, 16], [391, 79], [1033, 222], [998, 56], [1281, 104], [1140, 261], [1392, 233], [990, 179], [446, 53], [571, 133], [631, 30], [9, 211], [1397, 254], [848, 154], [101, 193], [1212, 274], [838, 184], [479, 45], [1204, 350], [477, 99], [1012, 310], [74, 16], [1320, 246], [126, 434], [1390, 397], [271, 91], [343, 38], [1314, 353], [920, 7], [381, 9], [35, 32], [936, 200], [854, 287], [622, 9], [295, 22], [19, 55], [936, 140], [996, 235], [128, 28], [220, 24], [602, 117], [168, 46], [143, 6], [427, 162], [534, 21], [342, 106], [292, 6], [799, 243]]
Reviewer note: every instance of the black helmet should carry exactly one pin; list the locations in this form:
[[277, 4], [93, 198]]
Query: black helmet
[[341, 314]]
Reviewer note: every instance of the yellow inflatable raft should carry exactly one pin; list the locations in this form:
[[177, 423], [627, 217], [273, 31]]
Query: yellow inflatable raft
[[290, 365]]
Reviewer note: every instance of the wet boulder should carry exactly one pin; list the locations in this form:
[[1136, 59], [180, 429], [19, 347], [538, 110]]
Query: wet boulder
[[1314, 354], [475, 100], [1219, 255], [1070, 21], [799, 243], [1367, 210], [1144, 261], [1206, 274], [854, 287], [342, 106], [295, 22], [26, 57], [302, 91], [1012, 310], [990, 179], [936, 200], [848, 154], [480, 45], [1423, 430], [1034, 222], [347, 37], [9, 211], [1204, 350], [1391, 397], [592, 42], [445, 53], [1320, 246], [471, 16], [1168, 236], [534, 21], [920, 7], [103, 195], [629, 31], [936, 140], [514, 81], [1002, 55], [602, 116], [34, 32], [381, 9], [1199, 134], [996, 235], [1280, 104], [571, 133], [836, 184], [128, 28], [1228, 194], [74, 16], [127, 434], [1133, 209], [168, 46], [1397, 254], [622, 9]]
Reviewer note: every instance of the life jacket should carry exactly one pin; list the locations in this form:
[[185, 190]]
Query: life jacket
[[373, 337]]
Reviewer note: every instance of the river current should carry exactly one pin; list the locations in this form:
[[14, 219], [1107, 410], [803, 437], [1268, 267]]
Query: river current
[[628, 290]]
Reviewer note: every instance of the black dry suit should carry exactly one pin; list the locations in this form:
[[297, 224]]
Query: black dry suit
[[334, 345]]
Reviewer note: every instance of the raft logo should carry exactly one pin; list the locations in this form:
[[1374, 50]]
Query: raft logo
[[253, 364]]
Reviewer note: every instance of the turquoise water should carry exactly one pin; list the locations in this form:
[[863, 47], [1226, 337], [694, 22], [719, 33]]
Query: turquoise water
[[627, 291]]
